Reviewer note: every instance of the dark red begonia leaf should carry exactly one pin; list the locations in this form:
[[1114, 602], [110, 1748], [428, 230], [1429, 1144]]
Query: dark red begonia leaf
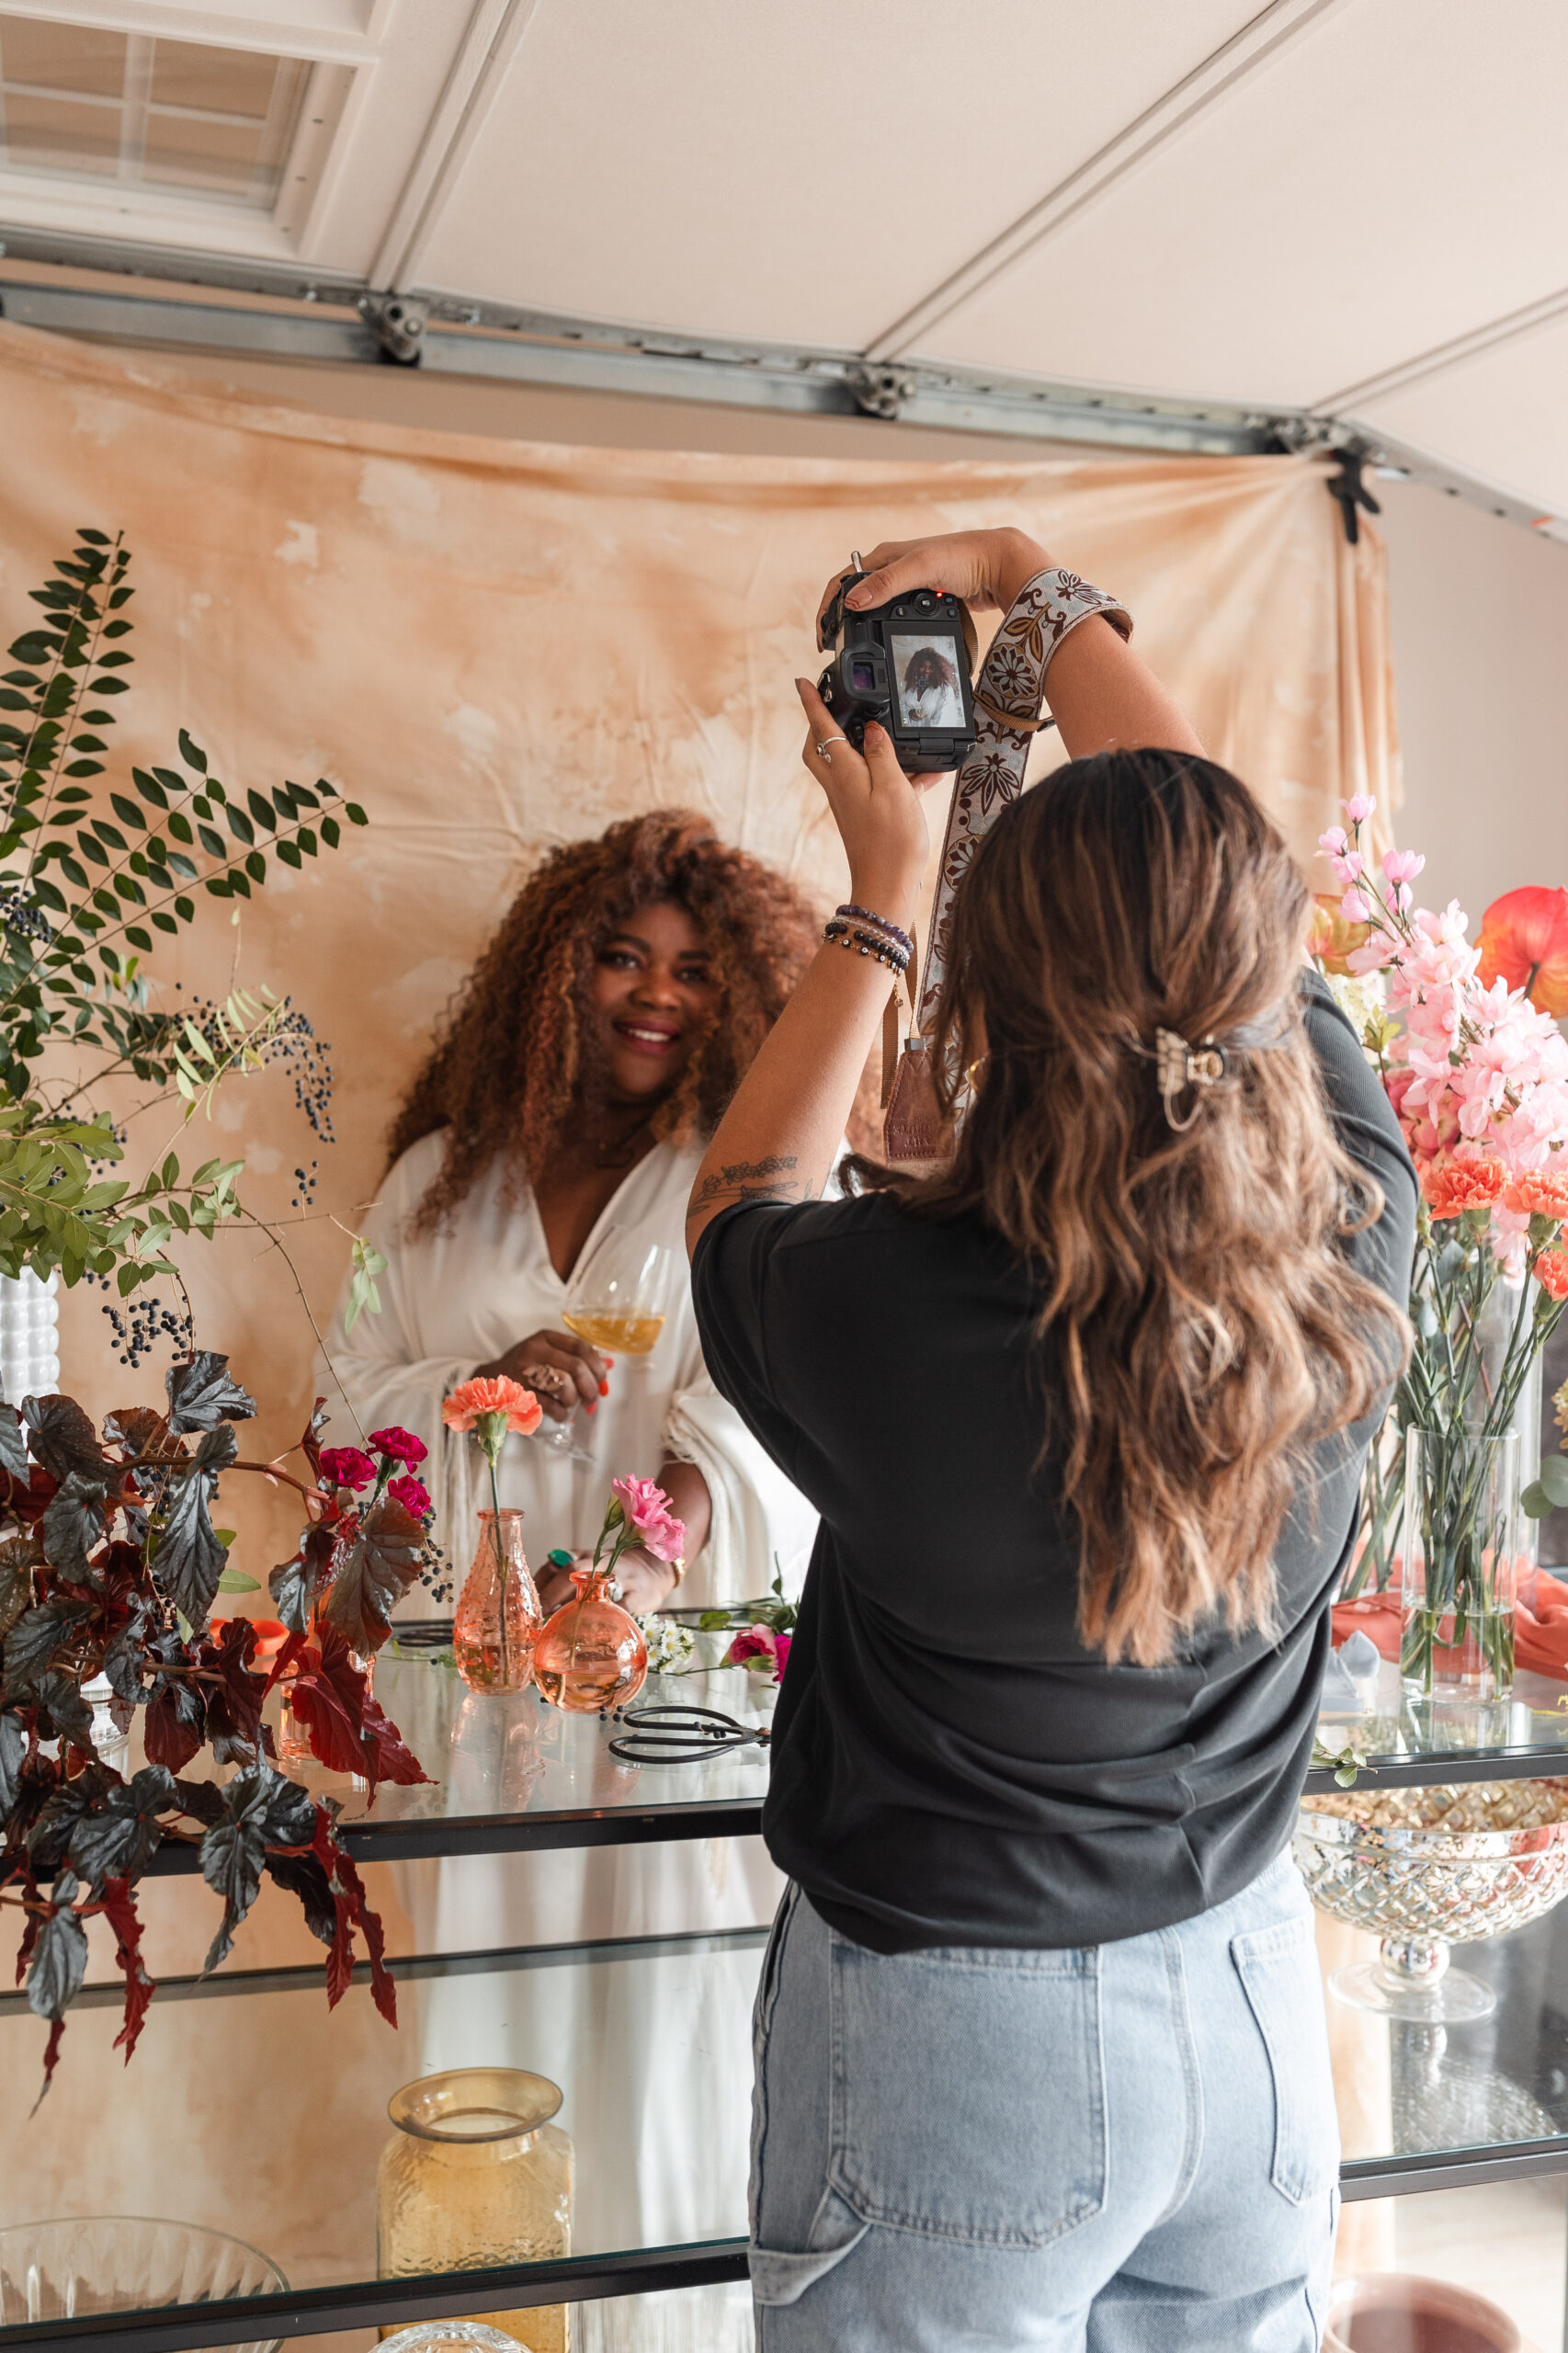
[[119, 1910], [376, 1573]]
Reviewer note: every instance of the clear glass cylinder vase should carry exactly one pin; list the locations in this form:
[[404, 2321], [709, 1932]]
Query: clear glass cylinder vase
[[1462, 1564], [29, 1335], [498, 1615], [476, 2175]]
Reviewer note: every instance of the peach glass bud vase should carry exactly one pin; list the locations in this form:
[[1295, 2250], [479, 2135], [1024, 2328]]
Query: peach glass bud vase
[[498, 1616], [591, 1653]]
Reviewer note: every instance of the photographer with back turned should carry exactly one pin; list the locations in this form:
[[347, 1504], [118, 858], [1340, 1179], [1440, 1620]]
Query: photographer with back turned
[[1084, 1407]]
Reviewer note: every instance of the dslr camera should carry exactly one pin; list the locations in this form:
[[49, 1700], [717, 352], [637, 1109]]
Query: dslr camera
[[907, 664]]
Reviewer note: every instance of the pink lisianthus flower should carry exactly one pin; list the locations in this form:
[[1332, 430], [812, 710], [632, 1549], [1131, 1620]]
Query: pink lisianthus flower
[[412, 1494], [646, 1510], [1403, 865], [1356, 907], [1359, 808], [345, 1466], [402, 1445], [1335, 843]]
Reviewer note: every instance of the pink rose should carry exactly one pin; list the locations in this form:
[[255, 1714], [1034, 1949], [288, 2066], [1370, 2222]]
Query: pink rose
[[411, 1492], [345, 1466], [646, 1508], [402, 1445], [759, 1649]]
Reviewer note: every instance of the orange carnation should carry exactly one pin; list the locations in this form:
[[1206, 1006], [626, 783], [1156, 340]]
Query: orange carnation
[[505, 1403], [1542, 1193], [1454, 1185], [1551, 1272]]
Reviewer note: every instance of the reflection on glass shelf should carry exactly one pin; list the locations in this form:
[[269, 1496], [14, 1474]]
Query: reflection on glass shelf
[[280, 2137], [1407, 2089], [1376, 1716], [496, 1755]]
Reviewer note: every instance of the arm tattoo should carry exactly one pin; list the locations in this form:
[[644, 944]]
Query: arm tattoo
[[748, 1180]]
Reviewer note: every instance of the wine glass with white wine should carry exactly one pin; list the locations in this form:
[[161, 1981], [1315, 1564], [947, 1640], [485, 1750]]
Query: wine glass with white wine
[[619, 1302]]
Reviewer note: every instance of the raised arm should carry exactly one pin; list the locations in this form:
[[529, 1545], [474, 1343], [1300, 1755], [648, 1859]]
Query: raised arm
[[777, 1140]]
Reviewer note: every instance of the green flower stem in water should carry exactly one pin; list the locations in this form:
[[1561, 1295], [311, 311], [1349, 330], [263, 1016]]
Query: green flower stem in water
[[491, 1430]]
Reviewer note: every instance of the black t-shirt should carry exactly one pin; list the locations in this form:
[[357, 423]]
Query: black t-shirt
[[951, 1765]]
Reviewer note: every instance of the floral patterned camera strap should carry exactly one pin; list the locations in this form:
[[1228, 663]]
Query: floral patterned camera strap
[[1008, 698]]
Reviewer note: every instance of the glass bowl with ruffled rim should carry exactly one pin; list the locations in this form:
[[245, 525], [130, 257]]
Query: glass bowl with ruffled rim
[[87, 2264]]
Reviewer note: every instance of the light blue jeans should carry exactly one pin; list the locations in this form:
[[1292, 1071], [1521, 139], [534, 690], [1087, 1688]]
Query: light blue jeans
[[1128, 2148]]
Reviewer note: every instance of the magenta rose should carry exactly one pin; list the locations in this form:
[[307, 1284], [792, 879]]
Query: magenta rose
[[647, 1511], [759, 1649], [345, 1466], [402, 1445], [411, 1492]]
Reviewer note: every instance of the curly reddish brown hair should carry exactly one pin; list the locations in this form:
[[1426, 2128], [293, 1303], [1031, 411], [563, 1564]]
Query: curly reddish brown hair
[[510, 1058]]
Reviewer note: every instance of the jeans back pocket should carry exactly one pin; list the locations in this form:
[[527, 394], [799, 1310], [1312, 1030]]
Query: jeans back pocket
[[1278, 1967], [969, 2091]]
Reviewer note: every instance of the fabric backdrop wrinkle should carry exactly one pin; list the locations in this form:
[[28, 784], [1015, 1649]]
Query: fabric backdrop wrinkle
[[498, 646]]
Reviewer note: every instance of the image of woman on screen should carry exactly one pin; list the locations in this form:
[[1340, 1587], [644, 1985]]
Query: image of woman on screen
[[928, 685], [570, 1089]]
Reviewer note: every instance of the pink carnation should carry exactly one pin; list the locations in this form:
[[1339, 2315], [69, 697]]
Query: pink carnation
[[647, 1509], [402, 1445], [345, 1466]]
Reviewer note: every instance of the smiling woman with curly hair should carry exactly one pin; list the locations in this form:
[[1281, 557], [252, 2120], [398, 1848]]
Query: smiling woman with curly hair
[[569, 1092], [521, 1058]]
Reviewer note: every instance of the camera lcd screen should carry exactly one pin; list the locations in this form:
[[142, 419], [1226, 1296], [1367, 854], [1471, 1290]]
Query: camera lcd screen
[[926, 670]]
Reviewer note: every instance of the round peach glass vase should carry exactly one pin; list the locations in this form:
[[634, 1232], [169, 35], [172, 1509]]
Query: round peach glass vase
[[591, 1654], [476, 2176], [498, 1616]]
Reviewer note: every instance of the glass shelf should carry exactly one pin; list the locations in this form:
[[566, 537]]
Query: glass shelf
[[649, 2040], [279, 2138], [508, 1772], [1413, 1742]]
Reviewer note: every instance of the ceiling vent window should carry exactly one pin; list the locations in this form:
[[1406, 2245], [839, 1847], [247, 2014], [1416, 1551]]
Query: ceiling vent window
[[170, 115]]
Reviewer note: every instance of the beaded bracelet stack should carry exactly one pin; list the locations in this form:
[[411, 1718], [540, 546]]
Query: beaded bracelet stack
[[858, 927]]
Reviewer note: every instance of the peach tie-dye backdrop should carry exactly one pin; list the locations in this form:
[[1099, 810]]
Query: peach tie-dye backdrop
[[497, 647]]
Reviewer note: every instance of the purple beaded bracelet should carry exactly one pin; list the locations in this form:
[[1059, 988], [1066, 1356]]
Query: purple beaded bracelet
[[882, 923]]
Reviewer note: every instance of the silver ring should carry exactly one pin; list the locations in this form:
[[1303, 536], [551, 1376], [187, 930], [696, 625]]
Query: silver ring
[[822, 751]]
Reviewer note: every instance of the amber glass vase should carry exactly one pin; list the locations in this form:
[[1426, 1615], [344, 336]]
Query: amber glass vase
[[591, 1653], [498, 1616], [476, 2174]]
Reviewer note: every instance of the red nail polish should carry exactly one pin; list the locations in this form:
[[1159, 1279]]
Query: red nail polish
[[604, 1389], [590, 1408]]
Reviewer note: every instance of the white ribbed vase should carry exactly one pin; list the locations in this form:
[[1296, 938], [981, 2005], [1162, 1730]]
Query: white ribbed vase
[[29, 1336]]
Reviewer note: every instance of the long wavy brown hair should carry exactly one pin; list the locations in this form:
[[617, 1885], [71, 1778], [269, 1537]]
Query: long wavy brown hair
[[1207, 1319], [513, 1056]]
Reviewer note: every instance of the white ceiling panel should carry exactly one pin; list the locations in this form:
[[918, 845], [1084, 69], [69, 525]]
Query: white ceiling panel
[[1385, 185], [797, 172], [1501, 415], [1352, 206]]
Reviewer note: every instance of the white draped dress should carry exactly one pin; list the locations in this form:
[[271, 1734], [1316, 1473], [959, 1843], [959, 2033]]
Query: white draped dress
[[623, 2042]]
